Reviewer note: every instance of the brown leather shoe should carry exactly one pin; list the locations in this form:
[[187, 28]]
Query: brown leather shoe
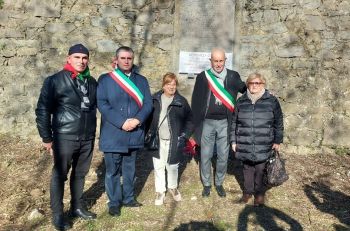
[[259, 200], [245, 198]]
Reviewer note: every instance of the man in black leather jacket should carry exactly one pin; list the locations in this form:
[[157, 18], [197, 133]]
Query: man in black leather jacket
[[66, 120]]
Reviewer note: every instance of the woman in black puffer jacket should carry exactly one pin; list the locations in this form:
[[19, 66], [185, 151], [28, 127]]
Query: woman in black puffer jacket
[[257, 128]]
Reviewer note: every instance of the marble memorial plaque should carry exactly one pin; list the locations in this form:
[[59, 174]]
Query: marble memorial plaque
[[196, 62]]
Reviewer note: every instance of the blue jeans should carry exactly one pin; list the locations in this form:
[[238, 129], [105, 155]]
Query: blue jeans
[[118, 164]]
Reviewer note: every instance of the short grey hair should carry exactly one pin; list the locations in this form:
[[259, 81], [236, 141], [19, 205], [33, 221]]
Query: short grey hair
[[255, 76]]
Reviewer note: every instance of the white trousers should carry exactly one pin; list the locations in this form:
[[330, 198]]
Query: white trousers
[[159, 169]]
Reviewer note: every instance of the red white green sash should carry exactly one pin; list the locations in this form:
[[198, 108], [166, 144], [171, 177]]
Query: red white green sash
[[219, 91], [127, 85]]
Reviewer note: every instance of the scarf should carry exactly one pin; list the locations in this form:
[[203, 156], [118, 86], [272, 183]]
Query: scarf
[[83, 75], [220, 77], [255, 97]]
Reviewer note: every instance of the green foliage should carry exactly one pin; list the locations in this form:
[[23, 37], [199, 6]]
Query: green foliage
[[340, 150], [91, 226], [2, 45], [221, 225], [1, 3]]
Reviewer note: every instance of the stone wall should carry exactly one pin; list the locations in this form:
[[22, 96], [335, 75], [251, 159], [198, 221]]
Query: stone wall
[[301, 46], [35, 37]]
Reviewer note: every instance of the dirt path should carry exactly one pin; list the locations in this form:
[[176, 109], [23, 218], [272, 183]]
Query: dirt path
[[316, 197]]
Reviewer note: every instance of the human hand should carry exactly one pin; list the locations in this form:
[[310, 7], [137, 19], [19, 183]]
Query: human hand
[[181, 140], [126, 126], [134, 123], [130, 124], [276, 147], [48, 147], [234, 147]]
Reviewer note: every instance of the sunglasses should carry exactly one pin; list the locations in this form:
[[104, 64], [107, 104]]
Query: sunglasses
[[255, 83]]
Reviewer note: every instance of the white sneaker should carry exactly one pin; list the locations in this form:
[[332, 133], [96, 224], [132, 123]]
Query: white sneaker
[[175, 193], [159, 198]]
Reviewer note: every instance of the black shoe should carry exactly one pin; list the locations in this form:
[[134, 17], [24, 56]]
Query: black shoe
[[60, 223], [220, 190], [206, 191], [83, 213], [114, 211], [133, 203]]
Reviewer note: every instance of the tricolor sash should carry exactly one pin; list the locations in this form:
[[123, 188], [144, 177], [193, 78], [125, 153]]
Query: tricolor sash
[[219, 91], [127, 85]]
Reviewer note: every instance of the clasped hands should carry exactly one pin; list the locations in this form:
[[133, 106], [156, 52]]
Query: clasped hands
[[130, 124]]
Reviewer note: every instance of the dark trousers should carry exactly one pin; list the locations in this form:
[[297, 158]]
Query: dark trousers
[[253, 178], [69, 154], [118, 164]]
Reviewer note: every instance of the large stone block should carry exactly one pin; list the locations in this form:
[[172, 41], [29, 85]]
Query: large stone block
[[313, 22], [7, 48], [336, 131], [287, 39], [343, 35], [253, 16], [47, 8], [105, 2], [275, 28], [34, 22], [289, 52], [166, 29], [162, 4], [342, 22], [288, 14], [11, 33], [14, 4], [304, 137], [111, 12], [145, 18], [60, 28], [310, 4], [106, 46], [284, 2], [4, 17], [25, 51], [271, 16], [101, 22], [165, 44], [26, 43]]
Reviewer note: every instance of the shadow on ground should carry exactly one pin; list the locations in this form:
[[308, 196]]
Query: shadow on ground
[[330, 201], [197, 225], [97, 189], [266, 219]]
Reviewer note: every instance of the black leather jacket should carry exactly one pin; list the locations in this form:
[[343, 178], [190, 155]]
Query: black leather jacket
[[59, 113]]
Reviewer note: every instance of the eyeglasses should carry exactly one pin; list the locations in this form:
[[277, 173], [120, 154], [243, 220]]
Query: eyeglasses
[[255, 83]]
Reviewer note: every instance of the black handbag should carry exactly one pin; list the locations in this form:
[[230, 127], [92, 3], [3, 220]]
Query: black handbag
[[152, 138], [275, 171]]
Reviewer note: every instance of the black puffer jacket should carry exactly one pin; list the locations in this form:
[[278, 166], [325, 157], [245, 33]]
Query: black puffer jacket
[[255, 127], [61, 99], [180, 124]]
